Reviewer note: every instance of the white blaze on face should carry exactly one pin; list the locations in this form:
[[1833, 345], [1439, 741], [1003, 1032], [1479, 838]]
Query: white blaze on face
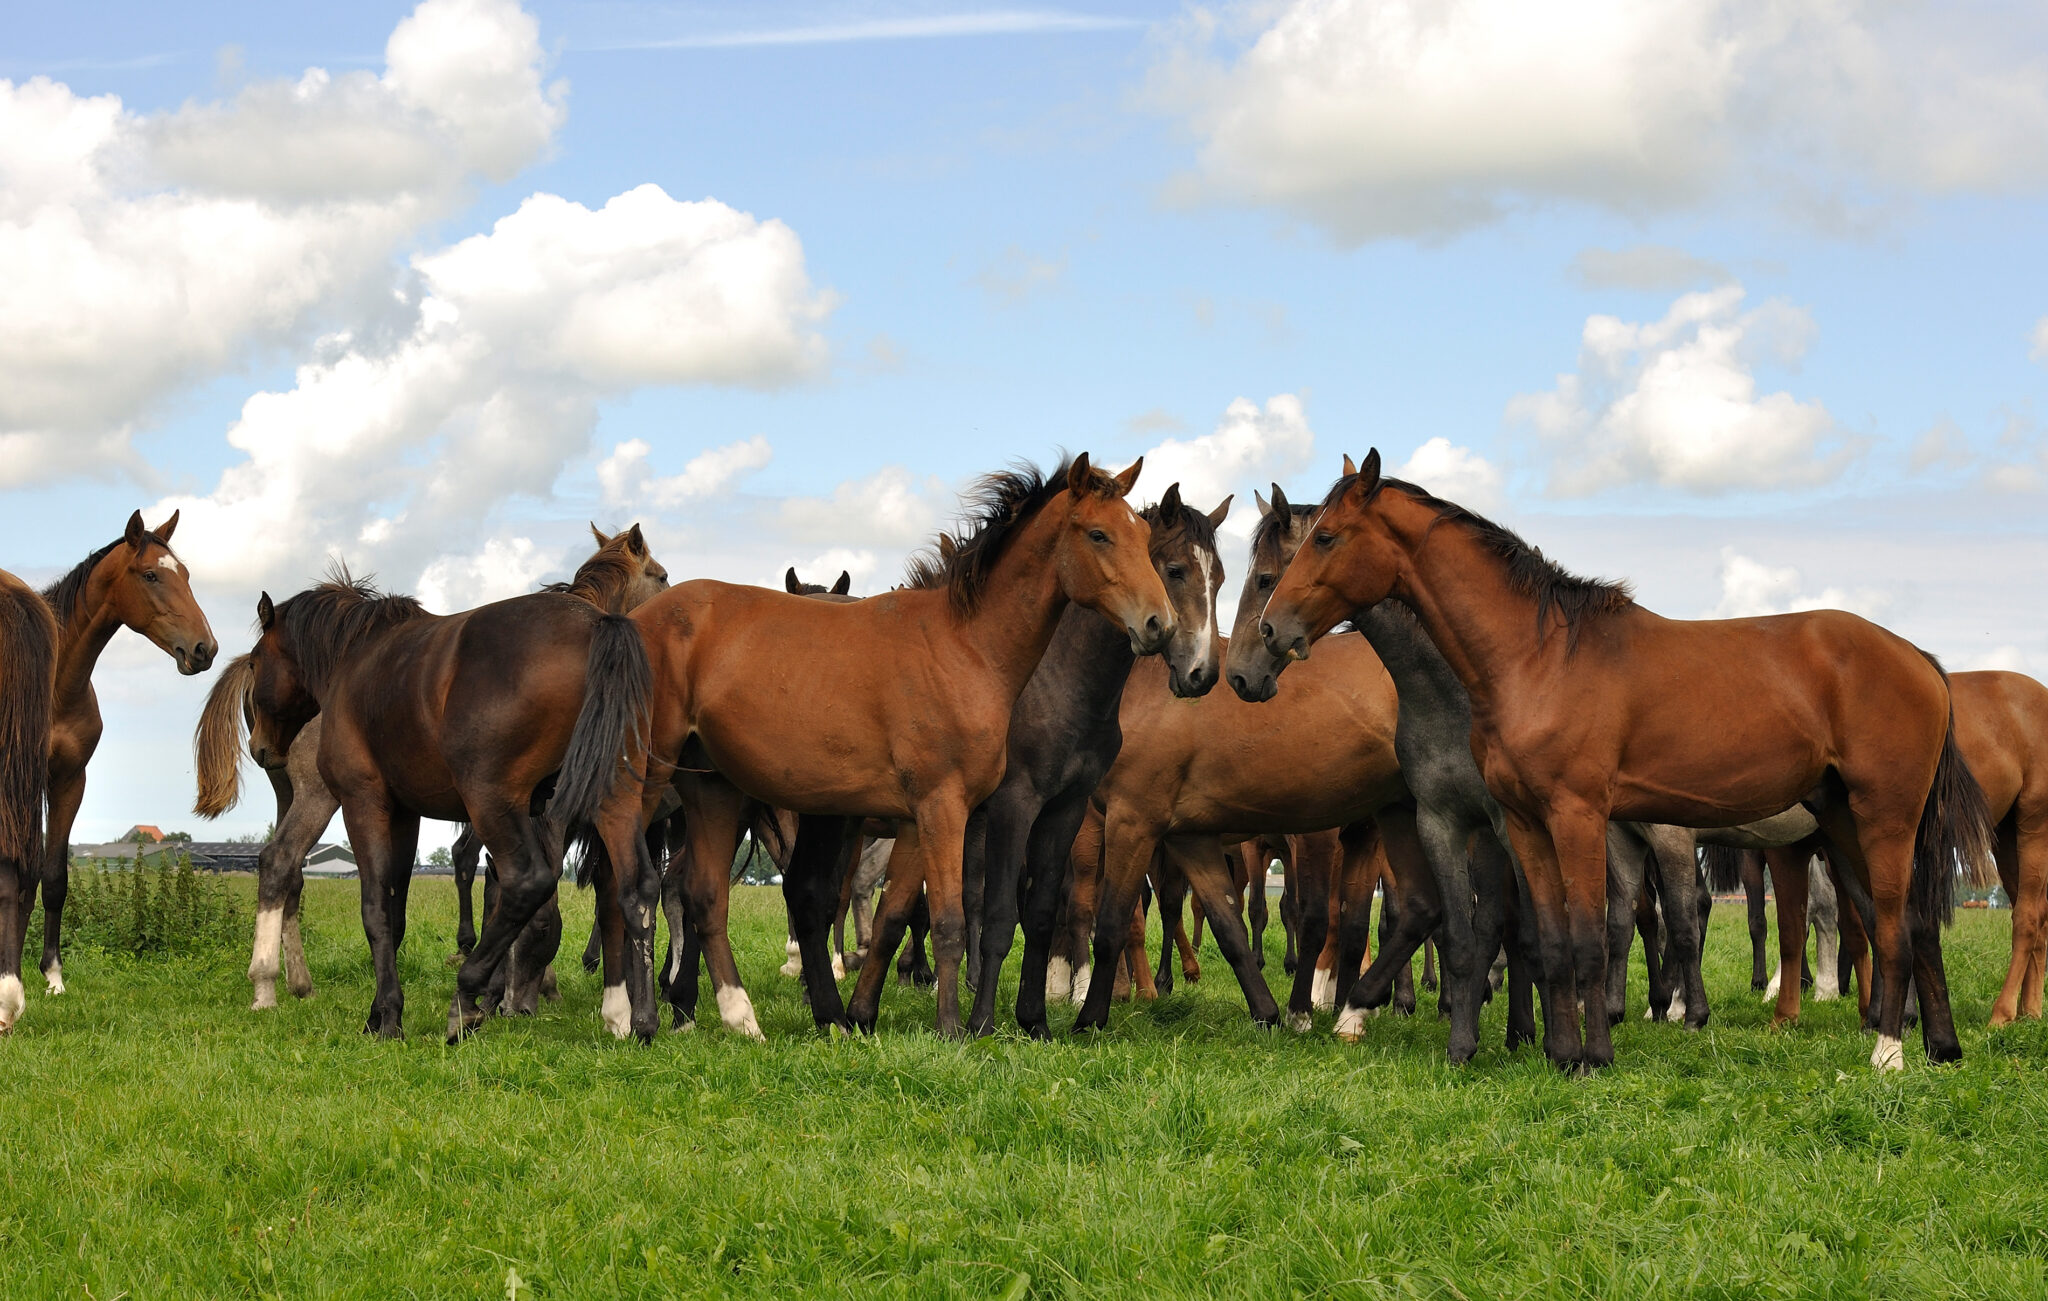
[[13, 998], [171, 564], [1889, 1055], [617, 1011], [737, 1011]]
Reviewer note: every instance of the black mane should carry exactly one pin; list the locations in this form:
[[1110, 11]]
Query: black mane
[[997, 506], [1529, 571], [1188, 520], [62, 595], [322, 624]]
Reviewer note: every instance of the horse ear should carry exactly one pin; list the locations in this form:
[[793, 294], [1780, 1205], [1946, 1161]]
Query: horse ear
[[1349, 468], [1369, 473], [636, 542], [1079, 477], [135, 530], [1129, 478], [1260, 502], [791, 583], [1169, 505], [598, 533], [1280, 506], [168, 527], [844, 585], [1221, 513], [266, 613]]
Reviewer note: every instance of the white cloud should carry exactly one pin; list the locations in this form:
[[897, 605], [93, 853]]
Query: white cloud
[[1249, 447], [627, 481], [1645, 267], [141, 253], [1453, 473], [1674, 403], [2039, 349], [1750, 587], [388, 454], [999, 22], [502, 568], [1375, 118], [891, 509], [2008, 657]]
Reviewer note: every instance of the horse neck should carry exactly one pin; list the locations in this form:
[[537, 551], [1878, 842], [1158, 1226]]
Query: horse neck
[[80, 642], [1459, 590], [1422, 676], [1021, 601], [1085, 666]]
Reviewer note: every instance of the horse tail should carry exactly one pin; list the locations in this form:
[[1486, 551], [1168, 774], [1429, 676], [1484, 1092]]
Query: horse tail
[[1955, 826], [28, 684], [217, 741], [1724, 867], [618, 690]]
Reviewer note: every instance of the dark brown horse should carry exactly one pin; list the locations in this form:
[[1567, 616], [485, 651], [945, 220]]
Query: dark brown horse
[[618, 576], [895, 707], [28, 665], [133, 582], [465, 717], [1586, 706]]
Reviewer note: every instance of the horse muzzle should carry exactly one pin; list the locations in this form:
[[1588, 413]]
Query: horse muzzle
[[196, 658]]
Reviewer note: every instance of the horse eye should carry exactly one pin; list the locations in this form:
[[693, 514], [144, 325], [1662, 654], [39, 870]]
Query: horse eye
[[1326, 541], [1265, 582], [1175, 574], [1097, 535], [149, 576]]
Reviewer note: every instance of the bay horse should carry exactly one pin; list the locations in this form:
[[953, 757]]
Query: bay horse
[[138, 582], [1063, 736], [1575, 721], [895, 707], [620, 574], [28, 669], [464, 717]]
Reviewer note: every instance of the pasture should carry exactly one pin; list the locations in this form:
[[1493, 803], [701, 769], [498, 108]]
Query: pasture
[[167, 1142]]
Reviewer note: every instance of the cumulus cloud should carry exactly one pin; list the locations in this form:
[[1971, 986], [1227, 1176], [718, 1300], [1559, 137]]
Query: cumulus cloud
[[1249, 447], [1750, 587], [1674, 403], [891, 509], [1646, 267], [627, 481], [1376, 119], [389, 453], [1453, 473], [142, 253], [502, 568], [2038, 350]]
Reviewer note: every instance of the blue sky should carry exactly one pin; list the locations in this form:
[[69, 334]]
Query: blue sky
[[1009, 230]]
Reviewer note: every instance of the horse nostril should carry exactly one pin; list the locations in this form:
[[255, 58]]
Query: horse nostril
[[1152, 624], [1237, 682], [1266, 631]]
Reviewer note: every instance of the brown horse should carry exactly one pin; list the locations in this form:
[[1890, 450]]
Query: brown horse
[[895, 707], [2002, 729], [28, 667], [619, 575], [1586, 707], [133, 582], [465, 717]]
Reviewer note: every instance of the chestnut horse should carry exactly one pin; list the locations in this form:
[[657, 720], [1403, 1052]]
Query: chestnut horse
[[1576, 721], [28, 667], [895, 707], [464, 717], [134, 582], [619, 575]]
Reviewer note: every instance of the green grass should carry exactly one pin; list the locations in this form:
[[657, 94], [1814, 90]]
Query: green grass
[[165, 1141]]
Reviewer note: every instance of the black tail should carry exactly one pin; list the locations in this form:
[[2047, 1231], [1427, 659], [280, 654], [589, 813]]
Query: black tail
[[1724, 867], [1955, 827], [618, 687], [28, 666]]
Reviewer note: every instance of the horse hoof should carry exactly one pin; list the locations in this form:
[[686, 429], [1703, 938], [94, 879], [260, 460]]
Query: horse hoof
[[1351, 1025], [1300, 1022], [1889, 1055]]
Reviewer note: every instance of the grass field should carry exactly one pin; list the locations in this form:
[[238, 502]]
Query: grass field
[[165, 1141]]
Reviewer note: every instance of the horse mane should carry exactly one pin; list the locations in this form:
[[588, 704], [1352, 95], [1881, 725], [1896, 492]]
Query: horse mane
[[323, 623], [62, 595], [601, 580], [997, 507], [1529, 572], [1187, 520]]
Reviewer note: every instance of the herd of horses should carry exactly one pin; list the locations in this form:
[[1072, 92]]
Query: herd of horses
[[1528, 767]]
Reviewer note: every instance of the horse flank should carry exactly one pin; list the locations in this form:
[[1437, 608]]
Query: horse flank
[[217, 743], [28, 652]]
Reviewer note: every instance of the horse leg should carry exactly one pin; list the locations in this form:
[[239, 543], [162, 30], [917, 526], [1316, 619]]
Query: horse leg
[[2006, 1007], [713, 818], [1467, 933], [1002, 827], [1522, 943], [67, 791], [1170, 891], [1624, 883], [1788, 883], [1256, 905], [280, 873], [1674, 859], [1067, 973], [1359, 873], [1128, 843], [912, 966], [1046, 855], [1134, 977], [901, 889], [1565, 910], [973, 885], [384, 840], [528, 962], [1824, 912], [1199, 861], [1649, 927], [1881, 860], [1315, 863], [1759, 924], [1419, 909], [1188, 938], [820, 864], [15, 873], [463, 855]]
